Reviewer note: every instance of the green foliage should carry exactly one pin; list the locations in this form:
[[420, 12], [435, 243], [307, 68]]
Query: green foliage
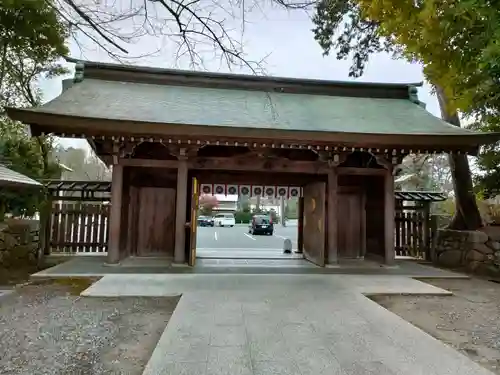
[[32, 39], [340, 26], [488, 181], [23, 154], [244, 217], [34, 26], [292, 209], [457, 42]]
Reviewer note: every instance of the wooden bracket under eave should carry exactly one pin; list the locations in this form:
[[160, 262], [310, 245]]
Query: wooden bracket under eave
[[337, 159], [183, 152], [116, 152]]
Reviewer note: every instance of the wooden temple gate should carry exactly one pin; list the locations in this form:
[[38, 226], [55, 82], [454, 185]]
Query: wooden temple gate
[[78, 222], [162, 130]]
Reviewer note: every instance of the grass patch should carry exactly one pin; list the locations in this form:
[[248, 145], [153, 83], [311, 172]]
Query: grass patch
[[20, 272], [73, 285]]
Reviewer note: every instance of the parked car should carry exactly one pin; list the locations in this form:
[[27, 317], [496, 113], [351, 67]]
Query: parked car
[[205, 221], [224, 220], [261, 224]]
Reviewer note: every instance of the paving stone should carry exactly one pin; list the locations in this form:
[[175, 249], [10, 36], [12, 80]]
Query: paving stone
[[186, 352], [228, 336], [269, 349], [176, 368], [292, 324], [229, 360], [276, 368], [315, 361], [361, 367]]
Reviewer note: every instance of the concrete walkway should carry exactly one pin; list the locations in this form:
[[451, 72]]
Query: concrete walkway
[[287, 325]]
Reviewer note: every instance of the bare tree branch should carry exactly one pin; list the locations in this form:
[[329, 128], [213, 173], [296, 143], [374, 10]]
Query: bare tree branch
[[197, 27]]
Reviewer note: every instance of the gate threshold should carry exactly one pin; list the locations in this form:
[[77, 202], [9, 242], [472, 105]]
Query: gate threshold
[[245, 253]]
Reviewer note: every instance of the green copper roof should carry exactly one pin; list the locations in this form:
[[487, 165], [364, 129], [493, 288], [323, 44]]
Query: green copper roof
[[161, 103]]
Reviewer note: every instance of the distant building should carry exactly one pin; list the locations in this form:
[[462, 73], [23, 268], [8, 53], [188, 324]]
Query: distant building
[[225, 203]]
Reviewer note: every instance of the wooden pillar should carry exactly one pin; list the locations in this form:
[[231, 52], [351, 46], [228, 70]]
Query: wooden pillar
[[332, 220], [115, 216], [427, 231], [389, 217], [180, 211], [300, 226]]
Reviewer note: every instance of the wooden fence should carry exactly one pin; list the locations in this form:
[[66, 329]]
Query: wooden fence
[[414, 231], [79, 228]]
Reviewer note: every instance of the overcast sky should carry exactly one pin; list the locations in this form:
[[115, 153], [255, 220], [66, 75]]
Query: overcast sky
[[283, 39]]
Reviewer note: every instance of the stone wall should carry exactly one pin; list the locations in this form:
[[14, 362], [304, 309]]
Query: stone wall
[[19, 241], [476, 251]]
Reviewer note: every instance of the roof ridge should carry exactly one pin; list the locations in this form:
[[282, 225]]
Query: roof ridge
[[102, 70]]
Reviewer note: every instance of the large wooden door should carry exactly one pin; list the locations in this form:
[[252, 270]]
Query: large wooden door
[[313, 235], [351, 226], [193, 221], [156, 222]]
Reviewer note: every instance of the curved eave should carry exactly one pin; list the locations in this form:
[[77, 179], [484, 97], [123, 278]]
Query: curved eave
[[76, 126]]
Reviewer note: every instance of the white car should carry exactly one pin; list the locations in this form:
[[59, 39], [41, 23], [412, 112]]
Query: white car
[[224, 220]]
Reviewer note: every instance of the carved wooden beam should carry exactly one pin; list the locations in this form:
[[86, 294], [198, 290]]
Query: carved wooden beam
[[149, 163], [260, 165], [233, 164], [361, 171]]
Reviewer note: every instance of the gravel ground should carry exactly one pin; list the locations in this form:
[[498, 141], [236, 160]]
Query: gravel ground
[[469, 321], [49, 329]]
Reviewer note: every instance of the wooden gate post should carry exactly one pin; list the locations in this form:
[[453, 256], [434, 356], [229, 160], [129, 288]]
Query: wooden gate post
[[332, 210], [180, 210], [115, 214], [426, 228], [300, 225], [389, 218]]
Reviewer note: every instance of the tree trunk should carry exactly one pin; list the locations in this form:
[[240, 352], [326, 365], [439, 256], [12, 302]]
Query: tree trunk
[[467, 216]]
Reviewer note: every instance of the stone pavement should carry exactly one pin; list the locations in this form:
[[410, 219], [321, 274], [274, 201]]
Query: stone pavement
[[287, 325]]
